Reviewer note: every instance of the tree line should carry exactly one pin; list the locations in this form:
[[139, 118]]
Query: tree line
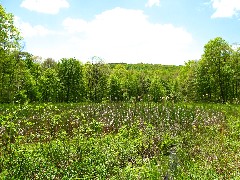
[[69, 80], [215, 77], [26, 78]]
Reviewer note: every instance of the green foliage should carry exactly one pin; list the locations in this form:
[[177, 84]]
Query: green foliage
[[49, 85], [156, 90], [215, 61], [49, 63], [70, 73], [187, 81], [119, 141], [9, 35], [28, 78], [214, 78], [115, 89], [96, 80], [133, 130], [9, 44]]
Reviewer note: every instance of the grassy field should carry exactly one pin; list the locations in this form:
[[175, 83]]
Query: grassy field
[[135, 140]]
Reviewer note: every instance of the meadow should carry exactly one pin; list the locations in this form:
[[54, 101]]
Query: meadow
[[67, 119], [120, 140]]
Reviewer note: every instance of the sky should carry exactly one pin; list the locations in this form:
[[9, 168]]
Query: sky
[[130, 31]]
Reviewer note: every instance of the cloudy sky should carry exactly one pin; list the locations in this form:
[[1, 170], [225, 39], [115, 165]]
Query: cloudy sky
[[132, 31]]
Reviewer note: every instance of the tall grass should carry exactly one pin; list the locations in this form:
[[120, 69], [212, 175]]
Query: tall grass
[[139, 140]]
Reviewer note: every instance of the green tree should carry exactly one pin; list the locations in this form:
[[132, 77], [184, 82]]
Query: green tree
[[116, 83], [49, 63], [115, 89], [70, 73], [214, 69], [143, 86], [235, 67], [187, 81], [33, 72], [9, 44], [96, 80], [49, 86], [131, 85], [157, 90]]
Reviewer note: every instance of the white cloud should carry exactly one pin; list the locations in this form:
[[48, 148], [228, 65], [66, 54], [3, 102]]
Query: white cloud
[[74, 25], [27, 30], [225, 8], [119, 35], [45, 6], [151, 3], [127, 35]]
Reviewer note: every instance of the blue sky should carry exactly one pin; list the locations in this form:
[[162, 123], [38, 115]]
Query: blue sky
[[131, 31]]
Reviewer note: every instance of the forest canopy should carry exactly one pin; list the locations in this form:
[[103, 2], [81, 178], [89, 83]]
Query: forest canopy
[[213, 78]]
